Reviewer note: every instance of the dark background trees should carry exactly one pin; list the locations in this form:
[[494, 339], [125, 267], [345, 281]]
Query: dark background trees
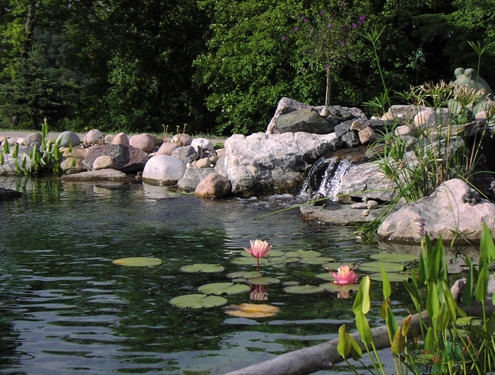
[[215, 65]]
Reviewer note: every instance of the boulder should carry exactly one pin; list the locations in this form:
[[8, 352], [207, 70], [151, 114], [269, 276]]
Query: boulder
[[264, 164], [192, 177], [145, 142], [67, 139], [213, 186], [102, 162], [94, 137], [72, 160], [100, 175], [164, 169], [185, 154], [453, 211], [125, 159], [204, 143], [167, 148], [326, 116], [120, 139]]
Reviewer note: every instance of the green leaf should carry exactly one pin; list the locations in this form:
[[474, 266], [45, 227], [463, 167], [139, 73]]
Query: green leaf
[[264, 280], [487, 248], [398, 342], [394, 257], [244, 275], [362, 302], [481, 291], [363, 327], [377, 266], [430, 340], [304, 289], [344, 345], [202, 268], [432, 300], [197, 301], [223, 288], [387, 289], [137, 262]]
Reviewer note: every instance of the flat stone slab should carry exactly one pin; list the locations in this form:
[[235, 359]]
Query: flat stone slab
[[99, 175], [338, 214]]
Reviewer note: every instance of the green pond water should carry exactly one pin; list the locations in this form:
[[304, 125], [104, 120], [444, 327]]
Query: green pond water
[[65, 308]]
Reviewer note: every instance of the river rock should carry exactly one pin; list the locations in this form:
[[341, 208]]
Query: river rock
[[192, 177], [213, 186], [452, 211], [204, 143], [186, 154], [264, 164], [126, 159], [120, 139], [102, 162], [94, 137], [100, 175], [67, 139], [164, 169], [145, 142], [167, 148]]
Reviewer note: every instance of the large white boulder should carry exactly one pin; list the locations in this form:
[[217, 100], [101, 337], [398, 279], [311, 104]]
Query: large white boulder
[[164, 169]]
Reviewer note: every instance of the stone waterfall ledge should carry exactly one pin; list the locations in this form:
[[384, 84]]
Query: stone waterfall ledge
[[336, 213]]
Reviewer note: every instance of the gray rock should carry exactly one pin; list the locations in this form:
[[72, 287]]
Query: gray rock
[[264, 164], [67, 139], [304, 120], [192, 178], [185, 154], [125, 159], [164, 169], [99, 175], [446, 213]]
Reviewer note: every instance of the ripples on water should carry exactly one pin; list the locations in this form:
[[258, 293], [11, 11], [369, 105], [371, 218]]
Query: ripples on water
[[66, 309]]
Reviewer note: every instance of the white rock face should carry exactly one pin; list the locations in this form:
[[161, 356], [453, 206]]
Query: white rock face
[[452, 209], [145, 142], [164, 169], [204, 143]]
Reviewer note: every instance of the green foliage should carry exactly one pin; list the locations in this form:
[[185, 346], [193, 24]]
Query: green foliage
[[40, 160], [448, 340]]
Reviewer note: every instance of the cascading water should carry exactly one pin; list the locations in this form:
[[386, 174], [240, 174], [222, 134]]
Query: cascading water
[[325, 176]]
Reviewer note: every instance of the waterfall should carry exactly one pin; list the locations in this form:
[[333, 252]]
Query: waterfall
[[325, 176]]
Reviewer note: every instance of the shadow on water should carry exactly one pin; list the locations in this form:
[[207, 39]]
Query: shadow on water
[[67, 309]]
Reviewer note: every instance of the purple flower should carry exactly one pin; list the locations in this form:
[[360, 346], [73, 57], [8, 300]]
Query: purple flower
[[305, 19], [362, 19], [342, 42], [330, 25], [354, 26], [327, 67], [421, 226], [341, 3], [296, 28], [284, 37]]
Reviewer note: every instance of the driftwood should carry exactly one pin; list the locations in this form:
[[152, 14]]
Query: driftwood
[[320, 357]]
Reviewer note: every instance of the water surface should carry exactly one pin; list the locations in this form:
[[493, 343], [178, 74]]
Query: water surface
[[66, 309]]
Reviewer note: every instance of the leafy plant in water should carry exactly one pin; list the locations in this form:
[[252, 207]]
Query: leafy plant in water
[[42, 159], [449, 341]]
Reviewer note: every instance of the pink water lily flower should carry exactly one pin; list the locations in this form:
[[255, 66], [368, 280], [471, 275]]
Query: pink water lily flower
[[345, 276], [258, 249]]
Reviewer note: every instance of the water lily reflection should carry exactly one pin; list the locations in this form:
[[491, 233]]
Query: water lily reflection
[[258, 249], [345, 276], [258, 293]]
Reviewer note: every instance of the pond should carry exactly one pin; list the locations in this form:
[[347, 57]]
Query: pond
[[65, 308]]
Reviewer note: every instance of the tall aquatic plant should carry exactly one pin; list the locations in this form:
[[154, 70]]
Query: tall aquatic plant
[[447, 340], [42, 159]]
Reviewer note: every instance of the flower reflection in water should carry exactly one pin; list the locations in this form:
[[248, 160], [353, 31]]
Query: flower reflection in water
[[258, 293]]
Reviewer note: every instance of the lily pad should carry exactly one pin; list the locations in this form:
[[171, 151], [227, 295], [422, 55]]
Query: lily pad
[[394, 257], [244, 274], [223, 288], [315, 260], [332, 266], [248, 261], [336, 288], [325, 276], [304, 289], [197, 301], [392, 276], [251, 310], [264, 281], [302, 254], [137, 262], [374, 267], [202, 267]]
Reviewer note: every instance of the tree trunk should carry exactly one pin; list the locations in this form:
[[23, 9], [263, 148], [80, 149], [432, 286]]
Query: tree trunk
[[322, 356], [28, 29]]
